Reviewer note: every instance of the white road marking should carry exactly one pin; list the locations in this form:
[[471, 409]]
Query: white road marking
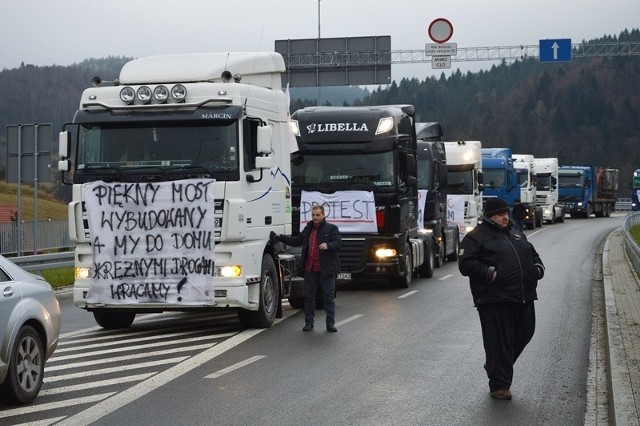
[[344, 321], [93, 385], [410, 293], [234, 367], [115, 369], [163, 337], [43, 422], [133, 393], [115, 359], [446, 277], [143, 347], [53, 405]]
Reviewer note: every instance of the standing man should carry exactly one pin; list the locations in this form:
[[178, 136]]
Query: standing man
[[518, 213], [319, 265], [503, 270]]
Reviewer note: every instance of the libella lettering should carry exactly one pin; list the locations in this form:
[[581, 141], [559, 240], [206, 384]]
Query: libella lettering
[[180, 171]]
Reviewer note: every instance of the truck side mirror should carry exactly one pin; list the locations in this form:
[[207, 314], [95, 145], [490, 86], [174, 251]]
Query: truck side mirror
[[63, 151], [264, 140]]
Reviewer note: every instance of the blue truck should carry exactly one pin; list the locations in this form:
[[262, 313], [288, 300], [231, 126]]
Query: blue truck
[[500, 175], [586, 190]]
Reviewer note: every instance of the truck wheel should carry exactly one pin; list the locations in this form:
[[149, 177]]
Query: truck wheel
[[296, 302], [269, 297], [453, 256], [440, 256], [429, 265], [405, 280], [26, 368], [112, 320]]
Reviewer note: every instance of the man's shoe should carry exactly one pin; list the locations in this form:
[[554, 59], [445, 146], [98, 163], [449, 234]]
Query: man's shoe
[[504, 394], [332, 328], [307, 327]]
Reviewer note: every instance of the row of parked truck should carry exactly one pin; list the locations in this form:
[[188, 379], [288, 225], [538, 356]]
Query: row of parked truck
[[183, 167]]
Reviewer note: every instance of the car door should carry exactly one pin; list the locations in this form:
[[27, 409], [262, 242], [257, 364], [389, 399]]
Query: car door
[[10, 295]]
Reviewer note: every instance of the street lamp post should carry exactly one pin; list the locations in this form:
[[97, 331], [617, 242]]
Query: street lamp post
[[318, 18]]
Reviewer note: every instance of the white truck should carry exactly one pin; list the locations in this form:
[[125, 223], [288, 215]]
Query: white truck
[[547, 192], [524, 166], [464, 187], [180, 171]]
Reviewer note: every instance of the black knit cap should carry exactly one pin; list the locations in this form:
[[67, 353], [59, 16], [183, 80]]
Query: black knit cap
[[495, 206]]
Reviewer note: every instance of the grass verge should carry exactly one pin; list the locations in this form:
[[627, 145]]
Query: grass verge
[[59, 277]]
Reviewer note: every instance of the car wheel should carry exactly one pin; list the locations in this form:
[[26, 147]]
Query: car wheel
[[26, 368]]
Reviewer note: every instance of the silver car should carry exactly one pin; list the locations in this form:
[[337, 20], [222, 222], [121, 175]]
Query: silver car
[[29, 329]]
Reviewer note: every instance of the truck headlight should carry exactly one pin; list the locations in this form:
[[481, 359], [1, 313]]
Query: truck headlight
[[82, 272], [385, 252], [230, 271]]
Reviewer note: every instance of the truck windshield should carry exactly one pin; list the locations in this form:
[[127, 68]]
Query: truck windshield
[[460, 182], [375, 169], [570, 181], [523, 179], [544, 182], [493, 178], [159, 144]]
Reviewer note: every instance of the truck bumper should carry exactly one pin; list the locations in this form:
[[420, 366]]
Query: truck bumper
[[227, 295]]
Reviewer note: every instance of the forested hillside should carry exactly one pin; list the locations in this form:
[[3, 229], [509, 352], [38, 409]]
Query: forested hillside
[[585, 111]]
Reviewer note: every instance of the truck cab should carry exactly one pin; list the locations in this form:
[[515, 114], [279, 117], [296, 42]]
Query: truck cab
[[360, 163], [432, 189], [180, 170], [465, 184]]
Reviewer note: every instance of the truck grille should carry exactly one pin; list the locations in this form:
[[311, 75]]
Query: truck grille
[[353, 254]]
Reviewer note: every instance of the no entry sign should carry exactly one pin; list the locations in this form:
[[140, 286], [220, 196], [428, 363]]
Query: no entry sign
[[440, 30]]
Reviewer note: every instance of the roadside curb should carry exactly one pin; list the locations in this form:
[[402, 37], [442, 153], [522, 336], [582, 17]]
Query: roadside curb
[[621, 400]]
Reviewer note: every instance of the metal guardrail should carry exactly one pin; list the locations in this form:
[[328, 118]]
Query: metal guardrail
[[41, 262], [633, 250]]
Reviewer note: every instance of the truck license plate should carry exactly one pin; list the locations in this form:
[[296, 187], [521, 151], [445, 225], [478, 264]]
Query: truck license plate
[[344, 276]]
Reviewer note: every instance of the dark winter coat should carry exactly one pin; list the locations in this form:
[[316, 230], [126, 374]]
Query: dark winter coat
[[488, 249], [329, 259]]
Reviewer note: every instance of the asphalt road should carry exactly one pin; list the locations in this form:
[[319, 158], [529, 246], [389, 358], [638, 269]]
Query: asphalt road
[[401, 357]]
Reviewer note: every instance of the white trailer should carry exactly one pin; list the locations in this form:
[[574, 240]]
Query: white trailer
[[464, 188], [180, 171], [547, 189]]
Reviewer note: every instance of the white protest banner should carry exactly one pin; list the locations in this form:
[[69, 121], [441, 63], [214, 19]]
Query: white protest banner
[[422, 202], [152, 242], [455, 212], [350, 211]]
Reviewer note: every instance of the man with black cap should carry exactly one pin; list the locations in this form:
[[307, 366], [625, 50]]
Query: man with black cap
[[503, 270]]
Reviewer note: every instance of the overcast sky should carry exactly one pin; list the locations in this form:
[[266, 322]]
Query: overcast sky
[[63, 32]]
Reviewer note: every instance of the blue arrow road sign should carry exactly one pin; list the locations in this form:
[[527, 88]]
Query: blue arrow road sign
[[558, 50]]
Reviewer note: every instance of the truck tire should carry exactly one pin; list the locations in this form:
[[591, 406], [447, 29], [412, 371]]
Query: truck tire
[[453, 256], [440, 256], [429, 265], [112, 319], [269, 298], [296, 302], [404, 281], [26, 368]]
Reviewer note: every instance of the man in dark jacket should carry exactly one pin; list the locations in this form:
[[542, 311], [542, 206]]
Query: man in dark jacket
[[503, 270], [319, 265]]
